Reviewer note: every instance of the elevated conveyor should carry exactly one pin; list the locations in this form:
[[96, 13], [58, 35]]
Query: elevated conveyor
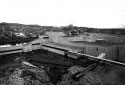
[[66, 50]]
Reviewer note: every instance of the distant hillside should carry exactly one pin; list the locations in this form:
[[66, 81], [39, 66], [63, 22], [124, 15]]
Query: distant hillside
[[14, 27], [116, 31], [13, 33], [37, 29]]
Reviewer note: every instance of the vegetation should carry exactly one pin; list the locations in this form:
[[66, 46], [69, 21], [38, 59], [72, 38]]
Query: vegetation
[[11, 33]]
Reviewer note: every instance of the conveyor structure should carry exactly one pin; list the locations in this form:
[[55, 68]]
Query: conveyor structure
[[75, 54]]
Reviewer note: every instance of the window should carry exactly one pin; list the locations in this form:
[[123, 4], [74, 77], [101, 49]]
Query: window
[[97, 49], [45, 37]]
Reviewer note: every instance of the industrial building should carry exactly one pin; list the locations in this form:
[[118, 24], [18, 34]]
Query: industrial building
[[112, 51], [94, 49]]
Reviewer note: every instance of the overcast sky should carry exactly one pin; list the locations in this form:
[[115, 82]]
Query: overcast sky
[[90, 13]]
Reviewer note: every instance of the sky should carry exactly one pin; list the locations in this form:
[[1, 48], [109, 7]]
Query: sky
[[89, 13]]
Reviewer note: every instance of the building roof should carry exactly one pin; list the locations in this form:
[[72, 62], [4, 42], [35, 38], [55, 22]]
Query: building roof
[[63, 46], [99, 43]]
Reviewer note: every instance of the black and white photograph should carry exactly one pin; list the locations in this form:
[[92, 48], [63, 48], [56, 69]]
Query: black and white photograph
[[62, 42]]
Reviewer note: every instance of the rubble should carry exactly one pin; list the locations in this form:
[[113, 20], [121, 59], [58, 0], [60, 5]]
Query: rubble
[[90, 78], [28, 74], [75, 69], [25, 75]]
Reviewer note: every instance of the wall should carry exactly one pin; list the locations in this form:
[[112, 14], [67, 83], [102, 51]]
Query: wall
[[10, 50], [95, 50], [33, 45], [121, 53], [43, 39], [36, 44], [27, 48], [112, 52], [53, 50]]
